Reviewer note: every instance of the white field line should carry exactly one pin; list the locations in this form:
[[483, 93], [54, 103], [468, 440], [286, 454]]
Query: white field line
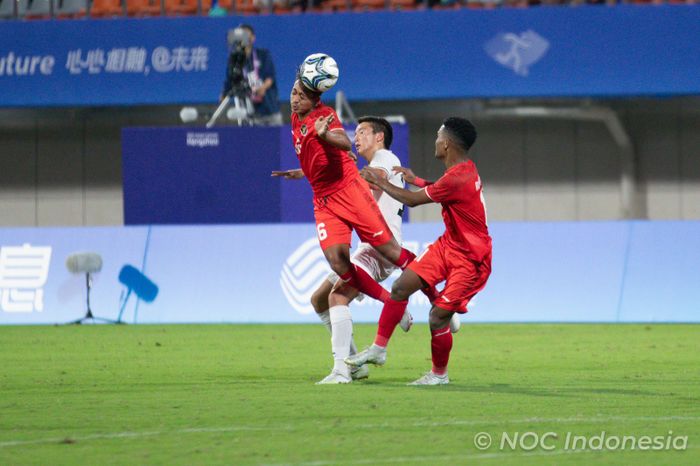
[[457, 422]]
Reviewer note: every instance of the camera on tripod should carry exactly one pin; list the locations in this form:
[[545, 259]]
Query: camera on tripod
[[238, 41], [239, 95]]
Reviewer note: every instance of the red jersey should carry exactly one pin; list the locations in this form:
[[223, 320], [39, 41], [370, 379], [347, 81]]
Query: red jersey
[[463, 210], [327, 168]]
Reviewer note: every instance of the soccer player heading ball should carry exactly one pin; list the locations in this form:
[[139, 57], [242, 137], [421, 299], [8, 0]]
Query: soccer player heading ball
[[342, 199]]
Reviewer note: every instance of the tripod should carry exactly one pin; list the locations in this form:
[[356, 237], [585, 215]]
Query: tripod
[[89, 315], [242, 105]]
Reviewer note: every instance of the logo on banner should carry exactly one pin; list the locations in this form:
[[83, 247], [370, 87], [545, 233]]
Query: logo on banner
[[303, 272], [517, 52], [23, 273], [202, 139]]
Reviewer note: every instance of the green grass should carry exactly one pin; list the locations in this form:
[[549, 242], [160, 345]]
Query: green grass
[[245, 394]]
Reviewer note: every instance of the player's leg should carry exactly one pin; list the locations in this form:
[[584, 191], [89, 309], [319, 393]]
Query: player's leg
[[394, 308], [464, 280], [404, 258], [338, 256], [440, 347], [334, 235], [357, 206], [395, 253], [427, 270], [319, 301], [341, 335]]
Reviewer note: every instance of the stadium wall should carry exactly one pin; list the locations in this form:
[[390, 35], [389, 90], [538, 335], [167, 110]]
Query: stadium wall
[[542, 272], [63, 167]]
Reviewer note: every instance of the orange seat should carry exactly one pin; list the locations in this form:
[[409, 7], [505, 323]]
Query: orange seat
[[244, 7], [143, 7], [370, 5], [281, 10], [102, 8], [180, 7], [402, 5], [328, 6]]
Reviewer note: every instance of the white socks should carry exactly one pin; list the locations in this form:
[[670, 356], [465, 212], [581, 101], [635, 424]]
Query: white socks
[[325, 317], [341, 337]]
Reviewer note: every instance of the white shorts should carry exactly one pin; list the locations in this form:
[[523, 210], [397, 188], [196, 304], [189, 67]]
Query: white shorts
[[371, 261]]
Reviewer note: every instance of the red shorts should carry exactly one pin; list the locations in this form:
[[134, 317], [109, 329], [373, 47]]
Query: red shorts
[[353, 207], [464, 277]]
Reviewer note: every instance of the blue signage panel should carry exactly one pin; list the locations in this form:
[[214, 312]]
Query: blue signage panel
[[542, 272], [222, 175], [584, 51], [185, 175]]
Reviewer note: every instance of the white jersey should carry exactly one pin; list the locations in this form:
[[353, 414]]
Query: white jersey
[[371, 261], [392, 210]]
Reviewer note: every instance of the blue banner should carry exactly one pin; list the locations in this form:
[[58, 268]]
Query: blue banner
[[192, 175], [542, 272], [536, 52]]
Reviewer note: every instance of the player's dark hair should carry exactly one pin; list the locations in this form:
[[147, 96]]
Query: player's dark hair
[[311, 94], [380, 125], [461, 131]]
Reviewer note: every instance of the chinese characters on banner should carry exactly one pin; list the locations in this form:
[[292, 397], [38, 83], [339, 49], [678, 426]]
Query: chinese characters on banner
[[135, 60], [23, 273]]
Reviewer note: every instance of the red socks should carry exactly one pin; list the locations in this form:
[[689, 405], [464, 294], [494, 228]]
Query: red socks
[[392, 312], [441, 345], [358, 278], [405, 258]]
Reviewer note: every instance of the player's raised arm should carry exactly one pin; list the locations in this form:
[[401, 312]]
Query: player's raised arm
[[294, 174], [405, 196], [335, 137], [380, 173], [411, 178]]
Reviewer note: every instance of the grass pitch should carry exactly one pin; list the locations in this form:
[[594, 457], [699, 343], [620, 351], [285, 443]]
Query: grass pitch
[[245, 394]]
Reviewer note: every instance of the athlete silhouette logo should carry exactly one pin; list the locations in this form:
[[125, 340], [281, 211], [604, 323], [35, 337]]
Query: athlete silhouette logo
[[517, 52]]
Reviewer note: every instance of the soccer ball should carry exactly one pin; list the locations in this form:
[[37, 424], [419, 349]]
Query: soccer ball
[[319, 72]]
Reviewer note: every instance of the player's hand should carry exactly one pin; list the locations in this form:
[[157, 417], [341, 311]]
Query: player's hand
[[295, 174], [352, 155], [370, 175], [408, 175], [322, 124]]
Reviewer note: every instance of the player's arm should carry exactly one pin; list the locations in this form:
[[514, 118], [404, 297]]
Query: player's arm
[[405, 196], [335, 137], [294, 174], [376, 190], [411, 178]]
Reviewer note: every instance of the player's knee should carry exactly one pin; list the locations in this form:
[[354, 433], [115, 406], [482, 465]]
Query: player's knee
[[339, 263], [399, 292], [438, 320], [391, 250], [318, 301]]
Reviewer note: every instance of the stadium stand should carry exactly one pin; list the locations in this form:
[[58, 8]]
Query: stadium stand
[[106, 8], [37, 9], [144, 7], [70, 8], [182, 7], [44, 9]]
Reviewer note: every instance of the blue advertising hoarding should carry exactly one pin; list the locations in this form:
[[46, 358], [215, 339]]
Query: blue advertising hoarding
[[542, 272], [538, 52], [192, 175]]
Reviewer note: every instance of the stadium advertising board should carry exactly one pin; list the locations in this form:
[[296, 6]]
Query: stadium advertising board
[[192, 175], [407, 55], [542, 272]]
